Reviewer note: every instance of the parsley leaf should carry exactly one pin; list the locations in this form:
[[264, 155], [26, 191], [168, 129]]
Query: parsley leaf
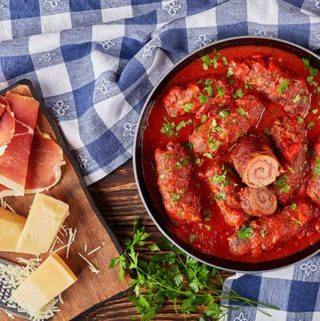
[[238, 94], [284, 85], [223, 113], [167, 274], [245, 233], [316, 167], [241, 111], [168, 127], [187, 107]]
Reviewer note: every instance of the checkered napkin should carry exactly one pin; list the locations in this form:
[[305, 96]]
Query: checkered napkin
[[94, 62], [294, 290]]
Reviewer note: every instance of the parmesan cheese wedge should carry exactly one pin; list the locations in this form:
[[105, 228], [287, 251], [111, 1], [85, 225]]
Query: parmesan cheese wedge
[[11, 226], [51, 278], [46, 216]]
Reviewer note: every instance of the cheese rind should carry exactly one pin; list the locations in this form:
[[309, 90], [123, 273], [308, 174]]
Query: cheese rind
[[48, 281], [46, 216], [11, 226]]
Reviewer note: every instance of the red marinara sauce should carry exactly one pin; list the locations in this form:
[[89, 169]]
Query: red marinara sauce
[[210, 235]]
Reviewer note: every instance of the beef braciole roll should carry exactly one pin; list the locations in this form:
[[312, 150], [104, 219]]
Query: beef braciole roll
[[174, 169], [258, 201], [225, 188], [255, 161], [195, 97], [290, 138], [276, 83], [313, 189], [266, 232]]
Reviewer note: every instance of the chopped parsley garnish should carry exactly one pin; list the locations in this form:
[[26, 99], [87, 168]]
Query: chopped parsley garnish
[[230, 72], [310, 125], [315, 111], [215, 127], [183, 124], [204, 118], [175, 197], [313, 72], [316, 168], [225, 61], [282, 184], [284, 85], [187, 107], [238, 94], [192, 238], [220, 196], [267, 132], [213, 144], [293, 206], [207, 61], [220, 90], [241, 111], [198, 161], [300, 120], [220, 179], [208, 155], [203, 99], [223, 113], [168, 127], [296, 99], [245, 233], [306, 62], [182, 162]]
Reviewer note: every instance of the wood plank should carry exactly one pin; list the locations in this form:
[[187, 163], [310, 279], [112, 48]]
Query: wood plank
[[92, 231]]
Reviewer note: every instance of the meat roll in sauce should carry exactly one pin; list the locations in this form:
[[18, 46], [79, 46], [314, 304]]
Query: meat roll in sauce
[[174, 170], [235, 139], [225, 188], [277, 84], [313, 189], [291, 140], [255, 161], [267, 232], [258, 201]]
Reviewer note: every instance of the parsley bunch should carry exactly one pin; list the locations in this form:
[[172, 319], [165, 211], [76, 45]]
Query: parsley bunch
[[170, 275]]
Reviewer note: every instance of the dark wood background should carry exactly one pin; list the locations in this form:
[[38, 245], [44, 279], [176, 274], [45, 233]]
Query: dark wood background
[[118, 200]]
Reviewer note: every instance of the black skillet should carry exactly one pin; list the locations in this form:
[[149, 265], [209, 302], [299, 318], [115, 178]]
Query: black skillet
[[155, 207]]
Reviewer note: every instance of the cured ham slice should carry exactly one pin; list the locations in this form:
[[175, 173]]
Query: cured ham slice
[[45, 164], [14, 161], [7, 124], [255, 161]]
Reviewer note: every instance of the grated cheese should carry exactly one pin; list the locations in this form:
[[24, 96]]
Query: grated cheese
[[13, 275], [91, 266], [94, 250]]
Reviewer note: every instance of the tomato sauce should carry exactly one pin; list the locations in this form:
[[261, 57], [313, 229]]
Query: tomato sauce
[[211, 234]]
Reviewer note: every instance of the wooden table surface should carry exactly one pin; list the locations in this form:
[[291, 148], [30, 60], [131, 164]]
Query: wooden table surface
[[118, 200]]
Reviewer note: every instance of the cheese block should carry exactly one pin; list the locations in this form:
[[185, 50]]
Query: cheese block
[[51, 278], [46, 216], [11, 226]]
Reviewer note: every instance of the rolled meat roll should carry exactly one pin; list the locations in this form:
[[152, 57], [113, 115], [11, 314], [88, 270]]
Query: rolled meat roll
[[258, 201], [255, 161]]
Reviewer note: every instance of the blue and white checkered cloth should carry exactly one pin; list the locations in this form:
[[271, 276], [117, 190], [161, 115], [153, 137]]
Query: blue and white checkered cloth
[[94, 62], [294, 290]]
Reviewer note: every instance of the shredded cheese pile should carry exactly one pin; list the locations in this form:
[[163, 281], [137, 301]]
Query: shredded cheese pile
[[13, 275]]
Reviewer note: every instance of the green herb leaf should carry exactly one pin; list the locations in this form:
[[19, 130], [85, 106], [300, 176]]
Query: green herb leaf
[[245, 233], [316, 167], [310, 125], [208, 155], [241, 111], [223, 113], [293, 206], [284, 85], [315, 111], [300, 120], [238, 94], [267, 132], [203, 99], [167, 127], [220, 90], [187, 107]]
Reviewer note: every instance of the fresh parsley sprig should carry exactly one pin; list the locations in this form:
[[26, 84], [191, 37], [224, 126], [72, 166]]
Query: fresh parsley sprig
[[170, 275]]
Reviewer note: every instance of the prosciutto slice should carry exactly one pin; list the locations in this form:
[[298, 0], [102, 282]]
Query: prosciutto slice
[[7, 124], [15, 159]]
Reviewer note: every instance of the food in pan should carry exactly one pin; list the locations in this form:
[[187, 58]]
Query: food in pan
[[231, 144]]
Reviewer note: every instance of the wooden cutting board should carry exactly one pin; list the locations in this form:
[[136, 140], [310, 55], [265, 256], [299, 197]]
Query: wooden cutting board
[[92, 231]]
